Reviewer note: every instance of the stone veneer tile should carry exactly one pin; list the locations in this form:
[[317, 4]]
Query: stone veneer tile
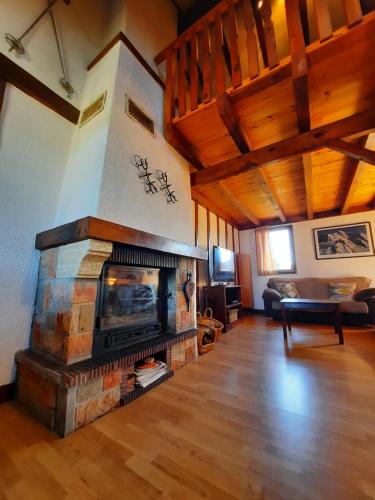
[[177, 356], [82, 259], [48, 263], [86, 317], [112, 379], [89, 390], [91, 410], [38, 394], [78, 347], [127, 379], [84, 291]]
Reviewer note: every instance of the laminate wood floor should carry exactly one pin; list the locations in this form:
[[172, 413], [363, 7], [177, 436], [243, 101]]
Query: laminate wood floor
[[255, 418]]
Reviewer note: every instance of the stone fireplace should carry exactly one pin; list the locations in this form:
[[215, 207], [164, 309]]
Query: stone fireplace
[[102, 304]]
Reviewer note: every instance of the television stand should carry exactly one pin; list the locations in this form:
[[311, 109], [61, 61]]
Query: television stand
[[226, 304]]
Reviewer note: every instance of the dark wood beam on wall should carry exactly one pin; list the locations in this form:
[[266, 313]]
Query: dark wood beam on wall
[[99, 229], [3, 85], [309, 186], [355, 151], [234, 200], [270, 192], [358, 124], [231, 122], [24, 81], [299, 63], [121, 37]]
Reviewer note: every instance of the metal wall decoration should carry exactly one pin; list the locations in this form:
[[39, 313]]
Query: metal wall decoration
[[145, 175], [165, 186], [15, 43]]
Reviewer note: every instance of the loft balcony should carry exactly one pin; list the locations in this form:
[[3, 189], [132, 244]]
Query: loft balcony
[[272, 104]]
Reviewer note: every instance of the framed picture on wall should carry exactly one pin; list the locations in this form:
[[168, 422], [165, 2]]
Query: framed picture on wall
[[340, 242]]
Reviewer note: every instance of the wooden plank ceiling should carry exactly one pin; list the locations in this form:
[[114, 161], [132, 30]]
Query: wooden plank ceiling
[[318, 84]]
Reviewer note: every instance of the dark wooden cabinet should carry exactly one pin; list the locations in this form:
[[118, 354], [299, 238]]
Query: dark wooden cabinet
[[226, 304], [245, 280]]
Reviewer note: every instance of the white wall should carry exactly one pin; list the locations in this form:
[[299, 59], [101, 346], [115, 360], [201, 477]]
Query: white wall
[[307, 265], [84, 27], [37, 146], [34, 145], [122, 197], [81, 186]]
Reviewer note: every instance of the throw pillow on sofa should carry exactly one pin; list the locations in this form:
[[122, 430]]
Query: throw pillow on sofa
[[341, 291], [288, 290]]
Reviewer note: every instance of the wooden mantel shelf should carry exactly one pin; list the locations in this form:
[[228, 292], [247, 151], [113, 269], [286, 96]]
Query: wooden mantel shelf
[[98, 229]]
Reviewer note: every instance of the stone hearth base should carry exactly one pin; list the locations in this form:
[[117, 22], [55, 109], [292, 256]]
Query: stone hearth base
[[65, 398]]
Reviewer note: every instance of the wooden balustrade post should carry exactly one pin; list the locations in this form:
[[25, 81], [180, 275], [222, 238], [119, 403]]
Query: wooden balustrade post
[[193, 71], [219, 56], [353, 11], [269, 32], [181, 81], [299, 63], [206, 67], [233, 48], [251, 41], [323, 19]]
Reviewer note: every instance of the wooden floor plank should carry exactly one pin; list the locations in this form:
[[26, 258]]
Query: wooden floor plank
[[255, 418]]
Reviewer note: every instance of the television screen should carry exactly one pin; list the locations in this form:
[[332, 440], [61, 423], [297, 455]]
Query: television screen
[[223, 265]]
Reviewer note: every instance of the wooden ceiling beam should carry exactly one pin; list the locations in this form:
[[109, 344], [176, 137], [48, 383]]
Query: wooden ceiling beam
[[182, 145], [234, 200], [231, 122], [358, 124], [270, 193], [355, 181], [299, 63], [309, 186], [355, 151]]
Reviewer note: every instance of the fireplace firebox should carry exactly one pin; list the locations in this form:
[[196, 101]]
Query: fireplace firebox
[[134, 305]]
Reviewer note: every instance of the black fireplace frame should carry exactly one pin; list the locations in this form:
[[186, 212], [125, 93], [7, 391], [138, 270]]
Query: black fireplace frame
[[122, 337]]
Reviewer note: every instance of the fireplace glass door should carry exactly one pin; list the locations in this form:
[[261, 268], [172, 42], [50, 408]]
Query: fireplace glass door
[[129, 298]]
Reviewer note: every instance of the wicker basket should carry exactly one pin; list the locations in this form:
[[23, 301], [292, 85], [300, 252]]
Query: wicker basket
[[208, 320], [202, 331]]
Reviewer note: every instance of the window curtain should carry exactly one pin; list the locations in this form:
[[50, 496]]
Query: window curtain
[[265, 260]]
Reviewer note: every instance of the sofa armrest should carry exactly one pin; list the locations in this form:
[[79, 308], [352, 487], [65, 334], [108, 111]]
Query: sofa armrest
[[270, 295], [371, 310], [364, 294]]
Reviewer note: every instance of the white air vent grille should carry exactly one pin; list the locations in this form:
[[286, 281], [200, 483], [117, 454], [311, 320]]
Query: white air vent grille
[[136, 113]]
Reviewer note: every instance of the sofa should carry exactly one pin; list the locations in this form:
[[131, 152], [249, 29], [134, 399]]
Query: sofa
[[360, 309]]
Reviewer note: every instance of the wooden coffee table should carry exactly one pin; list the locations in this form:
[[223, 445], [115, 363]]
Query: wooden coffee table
[[287, 305]]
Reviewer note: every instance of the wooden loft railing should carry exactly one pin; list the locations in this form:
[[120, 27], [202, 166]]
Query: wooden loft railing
[[234, 43]]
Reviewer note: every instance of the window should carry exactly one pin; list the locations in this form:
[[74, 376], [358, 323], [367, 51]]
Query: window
[[282, 249]]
